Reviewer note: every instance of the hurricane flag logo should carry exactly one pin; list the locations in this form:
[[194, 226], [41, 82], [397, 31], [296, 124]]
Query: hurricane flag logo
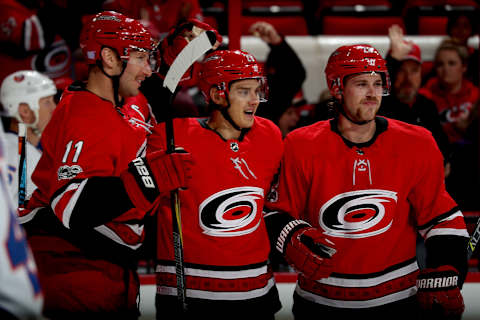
[[358, 214], [231, 212]]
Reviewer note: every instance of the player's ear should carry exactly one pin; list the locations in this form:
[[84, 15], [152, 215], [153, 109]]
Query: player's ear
[[110, 58], [218, 96], [26, 114]]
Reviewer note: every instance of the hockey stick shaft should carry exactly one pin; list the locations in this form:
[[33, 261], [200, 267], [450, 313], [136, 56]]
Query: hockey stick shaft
[[194, 50], [473, 241], [176, 222], [22, 165]]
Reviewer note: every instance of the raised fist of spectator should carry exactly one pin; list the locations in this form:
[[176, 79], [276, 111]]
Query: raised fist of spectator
[[398, 45], [266, 32]]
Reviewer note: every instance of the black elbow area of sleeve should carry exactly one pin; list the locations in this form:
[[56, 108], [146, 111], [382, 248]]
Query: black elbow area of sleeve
[[102, 199], [275, 222], [448, 250]]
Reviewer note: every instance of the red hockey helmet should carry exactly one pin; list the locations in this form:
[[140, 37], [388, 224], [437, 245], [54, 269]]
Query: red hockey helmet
[[114, 30], [353, 59], [221, 67]]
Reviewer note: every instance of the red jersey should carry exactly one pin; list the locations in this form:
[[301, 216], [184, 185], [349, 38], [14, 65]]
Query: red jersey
[[452, 107], [86, 145], [71, 158], [137, 111], [226, 246], [24, 44], [370, 200]]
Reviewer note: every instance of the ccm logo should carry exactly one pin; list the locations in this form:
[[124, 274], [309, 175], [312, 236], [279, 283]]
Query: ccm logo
[[144, 173]]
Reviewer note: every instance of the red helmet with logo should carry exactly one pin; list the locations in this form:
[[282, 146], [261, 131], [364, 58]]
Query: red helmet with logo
[[354, 59], [114, 30], [221, 67]]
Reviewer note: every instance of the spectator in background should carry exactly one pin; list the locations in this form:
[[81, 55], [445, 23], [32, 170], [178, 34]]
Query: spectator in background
[[288, 121], [158, 16], [324, 109], [285, 72], [455, 96], [40, 35], [404, 63], [28, 98], [456, 99], [300, 113], [21, 296], [460, 27], [463, 183]]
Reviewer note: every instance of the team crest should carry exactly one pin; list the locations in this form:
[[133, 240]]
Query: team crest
[[358, 214], [232, 212]]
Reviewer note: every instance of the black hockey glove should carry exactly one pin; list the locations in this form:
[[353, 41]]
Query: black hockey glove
[[147, 177]]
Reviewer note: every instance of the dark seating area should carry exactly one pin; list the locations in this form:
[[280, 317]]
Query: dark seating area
[[344, 17]]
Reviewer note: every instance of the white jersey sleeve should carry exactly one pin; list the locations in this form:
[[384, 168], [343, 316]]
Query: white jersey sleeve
[[32, 155], [20, 292]]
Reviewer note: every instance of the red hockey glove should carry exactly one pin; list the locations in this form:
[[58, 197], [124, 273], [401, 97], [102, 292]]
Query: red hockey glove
[[438, 293], [147, 177], [306, 249], [176, 40]]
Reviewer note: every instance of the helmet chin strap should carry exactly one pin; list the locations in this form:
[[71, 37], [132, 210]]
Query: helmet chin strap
[[227, 116], [115, 81]]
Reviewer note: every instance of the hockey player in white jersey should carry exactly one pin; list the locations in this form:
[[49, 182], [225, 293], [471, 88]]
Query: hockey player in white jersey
[[20, 293], [28, 98]]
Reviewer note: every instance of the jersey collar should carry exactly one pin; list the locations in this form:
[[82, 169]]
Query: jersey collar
[[381, 126]]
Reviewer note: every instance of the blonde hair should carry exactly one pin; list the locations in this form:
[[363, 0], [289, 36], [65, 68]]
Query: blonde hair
[[449, 44]]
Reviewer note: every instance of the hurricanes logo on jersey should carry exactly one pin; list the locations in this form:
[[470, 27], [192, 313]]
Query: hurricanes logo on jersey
[[232, 212], [358, 214]]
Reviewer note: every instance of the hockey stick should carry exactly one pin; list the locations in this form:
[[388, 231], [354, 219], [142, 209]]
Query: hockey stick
[[472, 242], [193, 51], [22, 165]]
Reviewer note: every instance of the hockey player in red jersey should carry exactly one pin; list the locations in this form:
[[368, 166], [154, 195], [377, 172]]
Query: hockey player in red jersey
[[236, 154], [369, 184], [95, 185]]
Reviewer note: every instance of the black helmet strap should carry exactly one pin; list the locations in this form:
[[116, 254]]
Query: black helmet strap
[[115, 81]]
